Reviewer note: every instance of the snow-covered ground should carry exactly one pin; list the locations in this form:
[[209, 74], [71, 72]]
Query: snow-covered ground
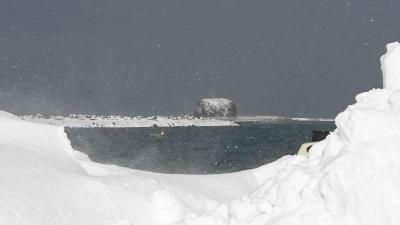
[[352, 177], [44, 181], [125, 121]]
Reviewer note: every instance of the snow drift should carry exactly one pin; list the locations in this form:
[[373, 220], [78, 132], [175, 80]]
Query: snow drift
[[44, 181], [353, 177]]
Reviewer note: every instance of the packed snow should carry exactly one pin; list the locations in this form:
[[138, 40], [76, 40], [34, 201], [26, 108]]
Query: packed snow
[[352, 177], [44, 181], [125, 121]]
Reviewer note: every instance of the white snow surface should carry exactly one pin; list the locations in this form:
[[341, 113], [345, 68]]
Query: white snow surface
[[6, 115], [125, 121], [43, 181], [391, 67], [352, 178]]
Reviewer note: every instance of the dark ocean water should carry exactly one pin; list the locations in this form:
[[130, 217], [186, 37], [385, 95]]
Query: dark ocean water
[[194, 150]]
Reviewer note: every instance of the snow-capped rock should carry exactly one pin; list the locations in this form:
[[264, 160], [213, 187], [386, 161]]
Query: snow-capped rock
[[216, 107]]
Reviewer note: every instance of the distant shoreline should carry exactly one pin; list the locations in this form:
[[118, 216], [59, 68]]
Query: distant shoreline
[[92, 121], [278, 118]]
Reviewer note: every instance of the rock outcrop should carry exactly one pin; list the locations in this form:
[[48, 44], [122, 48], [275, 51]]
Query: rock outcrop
[[216, 107]]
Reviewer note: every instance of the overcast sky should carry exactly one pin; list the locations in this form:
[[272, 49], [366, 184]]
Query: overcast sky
[[272, 57]]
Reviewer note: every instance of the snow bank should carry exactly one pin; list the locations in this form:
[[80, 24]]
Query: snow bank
[[353, 178], [6, 115], [43, 181], [391, 67]]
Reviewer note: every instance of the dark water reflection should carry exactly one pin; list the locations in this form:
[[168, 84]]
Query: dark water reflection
[[194, 150]]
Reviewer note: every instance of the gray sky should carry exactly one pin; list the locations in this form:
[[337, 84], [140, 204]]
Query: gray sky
[[272, 57]]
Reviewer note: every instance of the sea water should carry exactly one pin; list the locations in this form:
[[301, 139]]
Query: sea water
[[195, 150]]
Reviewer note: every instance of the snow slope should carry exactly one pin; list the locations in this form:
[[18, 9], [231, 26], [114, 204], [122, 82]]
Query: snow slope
[[352, 178], [44, 181]]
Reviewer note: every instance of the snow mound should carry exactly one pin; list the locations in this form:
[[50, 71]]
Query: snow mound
[[43, 181], [353, 177], [6, 115], [391, 67]]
